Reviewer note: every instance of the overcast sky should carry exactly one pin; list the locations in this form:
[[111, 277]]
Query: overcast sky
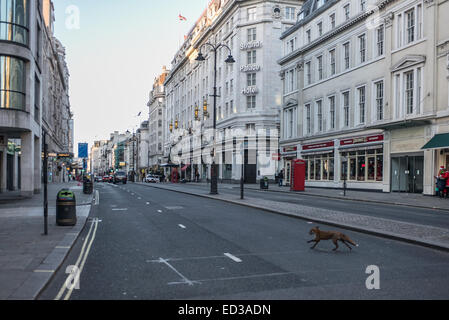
[[114, 56]]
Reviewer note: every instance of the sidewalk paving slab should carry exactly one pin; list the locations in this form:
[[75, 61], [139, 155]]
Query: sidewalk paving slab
[[428, 236], [28, 259]]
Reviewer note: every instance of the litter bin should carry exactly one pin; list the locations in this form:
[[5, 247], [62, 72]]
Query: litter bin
[[264, 183], [88, 187], [66, 208]]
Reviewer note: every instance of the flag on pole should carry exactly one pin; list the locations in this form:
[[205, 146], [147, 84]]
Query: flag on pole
[[182, 18]]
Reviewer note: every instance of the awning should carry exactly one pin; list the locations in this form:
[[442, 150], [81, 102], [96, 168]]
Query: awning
[[440, 141], [169, 165]]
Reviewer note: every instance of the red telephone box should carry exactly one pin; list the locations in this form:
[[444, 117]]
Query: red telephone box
[[298, 179]]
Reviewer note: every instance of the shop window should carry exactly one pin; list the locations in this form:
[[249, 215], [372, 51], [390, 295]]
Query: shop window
[[366, 165], [320, 167], [380, 168], [352, 169], [361, 168]]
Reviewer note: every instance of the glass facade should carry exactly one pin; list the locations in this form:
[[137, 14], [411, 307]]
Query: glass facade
[[12, 83], [14, 22]]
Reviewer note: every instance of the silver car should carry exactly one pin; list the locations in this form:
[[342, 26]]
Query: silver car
[[151, 179]]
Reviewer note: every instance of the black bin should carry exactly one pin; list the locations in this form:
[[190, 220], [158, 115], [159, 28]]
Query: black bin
[[66, 208], [264, 184], [88, 187]]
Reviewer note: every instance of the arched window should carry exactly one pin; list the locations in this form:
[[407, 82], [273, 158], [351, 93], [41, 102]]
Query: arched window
[[14, 21]]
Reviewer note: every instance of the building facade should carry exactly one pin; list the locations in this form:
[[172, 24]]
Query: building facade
[[157, 123], [365, 87], [248, 93], [25, 36]]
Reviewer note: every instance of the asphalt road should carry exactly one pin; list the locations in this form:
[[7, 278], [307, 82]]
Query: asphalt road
[[147, 243]]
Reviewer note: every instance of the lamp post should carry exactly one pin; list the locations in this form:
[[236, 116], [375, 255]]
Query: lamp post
[[230, 59]]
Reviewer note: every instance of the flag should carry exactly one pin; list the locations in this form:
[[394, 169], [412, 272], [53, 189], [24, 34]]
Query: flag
[[181, 18]]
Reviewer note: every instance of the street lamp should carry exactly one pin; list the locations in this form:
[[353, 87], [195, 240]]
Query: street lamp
[[230, 59]]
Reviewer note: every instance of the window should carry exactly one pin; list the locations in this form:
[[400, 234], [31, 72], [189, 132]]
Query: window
[[410, 17], [361, 104], [251, 57], [409, 91], [251, 102], [320, 67], [37, 99], [379, 88], [252, 14], [308, 119], [309, 36], [308, 73], [332, 62], [380, 40], [332, 113], [362, 5], [364, 165], [409, 26], [320, 167], [14, 21], [362, 48], [233, 108], [290, 81], [320, 29], [346, 109], [12, 84], [346, 11], [319, 107], [291, 45], [252, 34], [346, 53], [290, 123], [332, 20], [290, 13], [251, 79]]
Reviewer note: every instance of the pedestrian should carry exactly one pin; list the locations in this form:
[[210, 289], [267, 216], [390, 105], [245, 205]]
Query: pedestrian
[[197, 176], [442, 182], [281, 178]]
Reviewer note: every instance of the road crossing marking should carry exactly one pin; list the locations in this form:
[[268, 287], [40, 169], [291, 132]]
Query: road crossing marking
[[184, 279], [230, 256]]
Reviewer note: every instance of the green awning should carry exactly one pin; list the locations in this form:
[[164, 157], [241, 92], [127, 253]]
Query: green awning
[[440, 141]]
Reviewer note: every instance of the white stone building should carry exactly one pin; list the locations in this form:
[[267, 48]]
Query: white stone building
[[249, 91], [365, 88]]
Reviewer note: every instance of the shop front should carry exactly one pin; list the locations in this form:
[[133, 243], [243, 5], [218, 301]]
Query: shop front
[[439, 146], [320, 163]]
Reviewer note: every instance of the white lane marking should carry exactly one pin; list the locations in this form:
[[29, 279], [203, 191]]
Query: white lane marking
[[160, 211], [44, 271], [184, 279], [139, 198], [63, 288], [69, 293], [62, 247], [266, 275], [97, 197], [230, 256], [123, 209], [148, 203], [182, 226]]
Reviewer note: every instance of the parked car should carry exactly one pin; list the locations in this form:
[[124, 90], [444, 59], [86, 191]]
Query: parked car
[[98, 179], [120, 177], [151, 178], [106, 179]]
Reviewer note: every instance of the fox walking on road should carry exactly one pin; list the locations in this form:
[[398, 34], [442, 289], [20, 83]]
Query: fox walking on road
[[335, 236]]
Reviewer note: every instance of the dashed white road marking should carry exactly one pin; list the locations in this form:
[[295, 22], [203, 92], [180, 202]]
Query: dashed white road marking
[[160, 211], [230, 256], [148, 203], [182, 226], [118, 209]]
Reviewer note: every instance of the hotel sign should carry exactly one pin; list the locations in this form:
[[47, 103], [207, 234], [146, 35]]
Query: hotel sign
[[250, 91], [251, 45]]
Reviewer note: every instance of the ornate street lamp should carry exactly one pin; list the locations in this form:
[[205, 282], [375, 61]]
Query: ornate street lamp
[[230, 59]]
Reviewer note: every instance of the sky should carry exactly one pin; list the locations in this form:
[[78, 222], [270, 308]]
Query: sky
[[114, 54]]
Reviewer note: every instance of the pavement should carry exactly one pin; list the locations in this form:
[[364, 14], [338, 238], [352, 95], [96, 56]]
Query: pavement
[[417, 233], [29, 259]]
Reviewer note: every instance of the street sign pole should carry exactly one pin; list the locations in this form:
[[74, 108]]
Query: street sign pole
[[45, 174]]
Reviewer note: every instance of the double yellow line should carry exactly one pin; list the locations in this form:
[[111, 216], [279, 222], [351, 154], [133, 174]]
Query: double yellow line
[[81, 259]]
